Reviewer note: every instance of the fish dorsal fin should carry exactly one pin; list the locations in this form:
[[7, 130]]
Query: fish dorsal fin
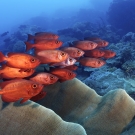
[[3, 84], [39, 33], [10, 54]]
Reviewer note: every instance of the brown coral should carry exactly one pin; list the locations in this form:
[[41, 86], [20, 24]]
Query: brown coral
[[74, 102]]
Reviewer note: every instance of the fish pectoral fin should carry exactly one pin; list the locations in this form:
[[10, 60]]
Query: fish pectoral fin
[[24, 100]]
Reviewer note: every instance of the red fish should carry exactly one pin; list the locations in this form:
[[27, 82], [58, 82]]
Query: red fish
[[108, 54], [20, 60], [72, 67], [101, 43], [85, 45], [63, 74], [47, 44], [69, 61], [73, 52], [91, 62], [92, 38], [39, 96], [16, 89], [96, 53], [10, 72], [42, 35], [51, 56], [45, 78]]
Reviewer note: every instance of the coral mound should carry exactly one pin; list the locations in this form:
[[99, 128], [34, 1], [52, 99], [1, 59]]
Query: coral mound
[[75, 103]]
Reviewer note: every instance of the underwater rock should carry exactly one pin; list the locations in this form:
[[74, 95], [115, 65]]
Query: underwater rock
[[34, 119], [102, 81], [75, 102], [130, 36], [129, 68]]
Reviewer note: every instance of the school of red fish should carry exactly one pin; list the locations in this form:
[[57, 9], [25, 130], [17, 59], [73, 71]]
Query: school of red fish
[[20, 68]]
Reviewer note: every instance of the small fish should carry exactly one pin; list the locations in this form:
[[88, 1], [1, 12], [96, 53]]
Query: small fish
[[101, 43], [73, 52], [72, 67], [4, 34], [42, 35], [51, 56], [47, 44], [20, 60], [63, 74], [91, 62], [16, 89], [10, 72], [69, 61], [39, 96], [95, 53], [108, 54], [92, 38], [84, 45], [44, 78]]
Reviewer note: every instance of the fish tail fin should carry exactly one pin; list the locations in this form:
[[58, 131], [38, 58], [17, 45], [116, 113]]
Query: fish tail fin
[[2, 57], [30, 37], [28, 46]]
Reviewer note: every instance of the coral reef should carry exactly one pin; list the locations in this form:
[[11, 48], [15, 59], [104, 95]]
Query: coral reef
[[119, 72], [14, 43], [86, 29], [74, 102]]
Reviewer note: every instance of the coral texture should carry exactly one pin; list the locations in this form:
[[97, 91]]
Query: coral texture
[[75, 102], [34, 119]]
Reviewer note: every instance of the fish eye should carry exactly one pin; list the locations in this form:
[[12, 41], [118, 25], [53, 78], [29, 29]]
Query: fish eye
[[70, 74], [99, 62], [63, 54], [33, 60], [51, 77], [34, 86], [78, 52], [70, 60], [57, 42]]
